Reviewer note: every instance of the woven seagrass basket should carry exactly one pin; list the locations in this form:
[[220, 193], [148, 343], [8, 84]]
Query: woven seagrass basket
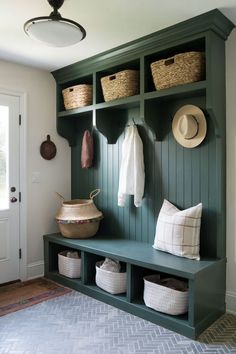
[[122, 84], [160, 297], [112, 282], [77, 96], [70, 267], [177, 70], [79, 218]]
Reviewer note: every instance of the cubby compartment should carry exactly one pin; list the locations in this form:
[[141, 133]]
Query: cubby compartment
[[65, 269], [159, 112], [90, 260], [132, 65], [111, 121], [138, 285], [165, 53], [101, 284], [70, 123]]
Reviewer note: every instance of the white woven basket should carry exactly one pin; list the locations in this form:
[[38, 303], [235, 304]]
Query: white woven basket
[[70, 267], [113, 283], [165, 299]]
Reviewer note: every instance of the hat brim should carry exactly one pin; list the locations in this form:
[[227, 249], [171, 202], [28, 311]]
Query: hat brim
[[202, 126]]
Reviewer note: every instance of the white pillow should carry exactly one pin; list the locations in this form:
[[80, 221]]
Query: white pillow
[[178, 231]]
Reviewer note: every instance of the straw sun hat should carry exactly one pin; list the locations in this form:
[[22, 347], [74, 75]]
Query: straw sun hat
[[189, 126]]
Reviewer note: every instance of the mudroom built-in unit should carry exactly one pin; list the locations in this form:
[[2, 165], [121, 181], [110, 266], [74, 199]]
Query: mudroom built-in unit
[[184, 176]]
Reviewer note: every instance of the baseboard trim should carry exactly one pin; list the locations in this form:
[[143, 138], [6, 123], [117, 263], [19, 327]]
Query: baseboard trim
[[230, 302], [35, 270]]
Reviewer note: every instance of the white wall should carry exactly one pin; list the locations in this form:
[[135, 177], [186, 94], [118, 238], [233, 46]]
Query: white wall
[[231, 170], [54, 175]]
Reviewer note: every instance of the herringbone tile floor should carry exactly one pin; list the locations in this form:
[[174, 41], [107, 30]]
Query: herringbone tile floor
[[77, 324]]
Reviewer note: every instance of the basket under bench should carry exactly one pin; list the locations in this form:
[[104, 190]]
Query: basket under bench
[[206, 281]]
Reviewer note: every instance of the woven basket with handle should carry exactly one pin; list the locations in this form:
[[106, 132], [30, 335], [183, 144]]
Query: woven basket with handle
[[180, 69], [122, 84], [79, 218], [77, 96]]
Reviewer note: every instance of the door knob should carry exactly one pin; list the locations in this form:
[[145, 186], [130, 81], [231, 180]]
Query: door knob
[[13, 199], [13, 189]]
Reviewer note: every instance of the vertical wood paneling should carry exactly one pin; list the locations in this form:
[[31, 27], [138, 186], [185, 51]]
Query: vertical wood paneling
[[183, 176], [213, 195], [120, 210], [196, 173], [158, 190], [179, 175], [204, 184], [172, 182], [187, 191], [165, 168]]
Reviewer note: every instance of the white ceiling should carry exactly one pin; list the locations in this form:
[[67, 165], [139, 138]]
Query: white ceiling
[[108, 23]]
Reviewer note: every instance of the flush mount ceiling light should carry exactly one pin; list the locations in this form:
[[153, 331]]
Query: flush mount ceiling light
[[54, 30]]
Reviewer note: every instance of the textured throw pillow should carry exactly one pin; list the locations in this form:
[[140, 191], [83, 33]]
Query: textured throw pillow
[[178, 231]]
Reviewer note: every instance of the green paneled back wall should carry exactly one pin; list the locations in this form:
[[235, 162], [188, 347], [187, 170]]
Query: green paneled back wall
[[183, 176]]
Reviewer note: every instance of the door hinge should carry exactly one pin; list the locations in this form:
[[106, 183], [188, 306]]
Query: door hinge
[[19, 197], [20, 253], [19, 119]]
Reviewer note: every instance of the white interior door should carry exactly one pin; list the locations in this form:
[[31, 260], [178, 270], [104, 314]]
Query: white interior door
[[9, 187]]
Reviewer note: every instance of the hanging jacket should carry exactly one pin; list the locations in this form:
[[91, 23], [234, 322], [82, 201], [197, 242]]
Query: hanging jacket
[[87, 150], [132, 175]]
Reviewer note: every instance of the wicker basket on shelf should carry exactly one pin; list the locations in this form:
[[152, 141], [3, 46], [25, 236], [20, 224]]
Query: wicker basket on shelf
[[165, 295], [77, 96], [122, 84], [177, 70], [112, 282], [69, 267]]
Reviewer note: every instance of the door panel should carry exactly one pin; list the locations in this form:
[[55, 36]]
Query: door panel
[[4, 232], [9, 177]]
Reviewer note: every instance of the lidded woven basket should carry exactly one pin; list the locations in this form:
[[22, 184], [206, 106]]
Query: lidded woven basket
[[77, 96], [79, 218], [180, 69], [122, 84]]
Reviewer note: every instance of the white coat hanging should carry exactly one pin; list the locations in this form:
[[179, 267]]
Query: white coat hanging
[[132, 175]]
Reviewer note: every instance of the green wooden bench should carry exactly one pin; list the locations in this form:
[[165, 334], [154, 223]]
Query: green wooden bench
[[205, 278]]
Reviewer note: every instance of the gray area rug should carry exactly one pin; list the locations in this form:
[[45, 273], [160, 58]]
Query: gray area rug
[[75, 323]]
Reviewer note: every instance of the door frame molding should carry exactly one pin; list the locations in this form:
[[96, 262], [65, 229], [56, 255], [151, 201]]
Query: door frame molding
[[23, 179]]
